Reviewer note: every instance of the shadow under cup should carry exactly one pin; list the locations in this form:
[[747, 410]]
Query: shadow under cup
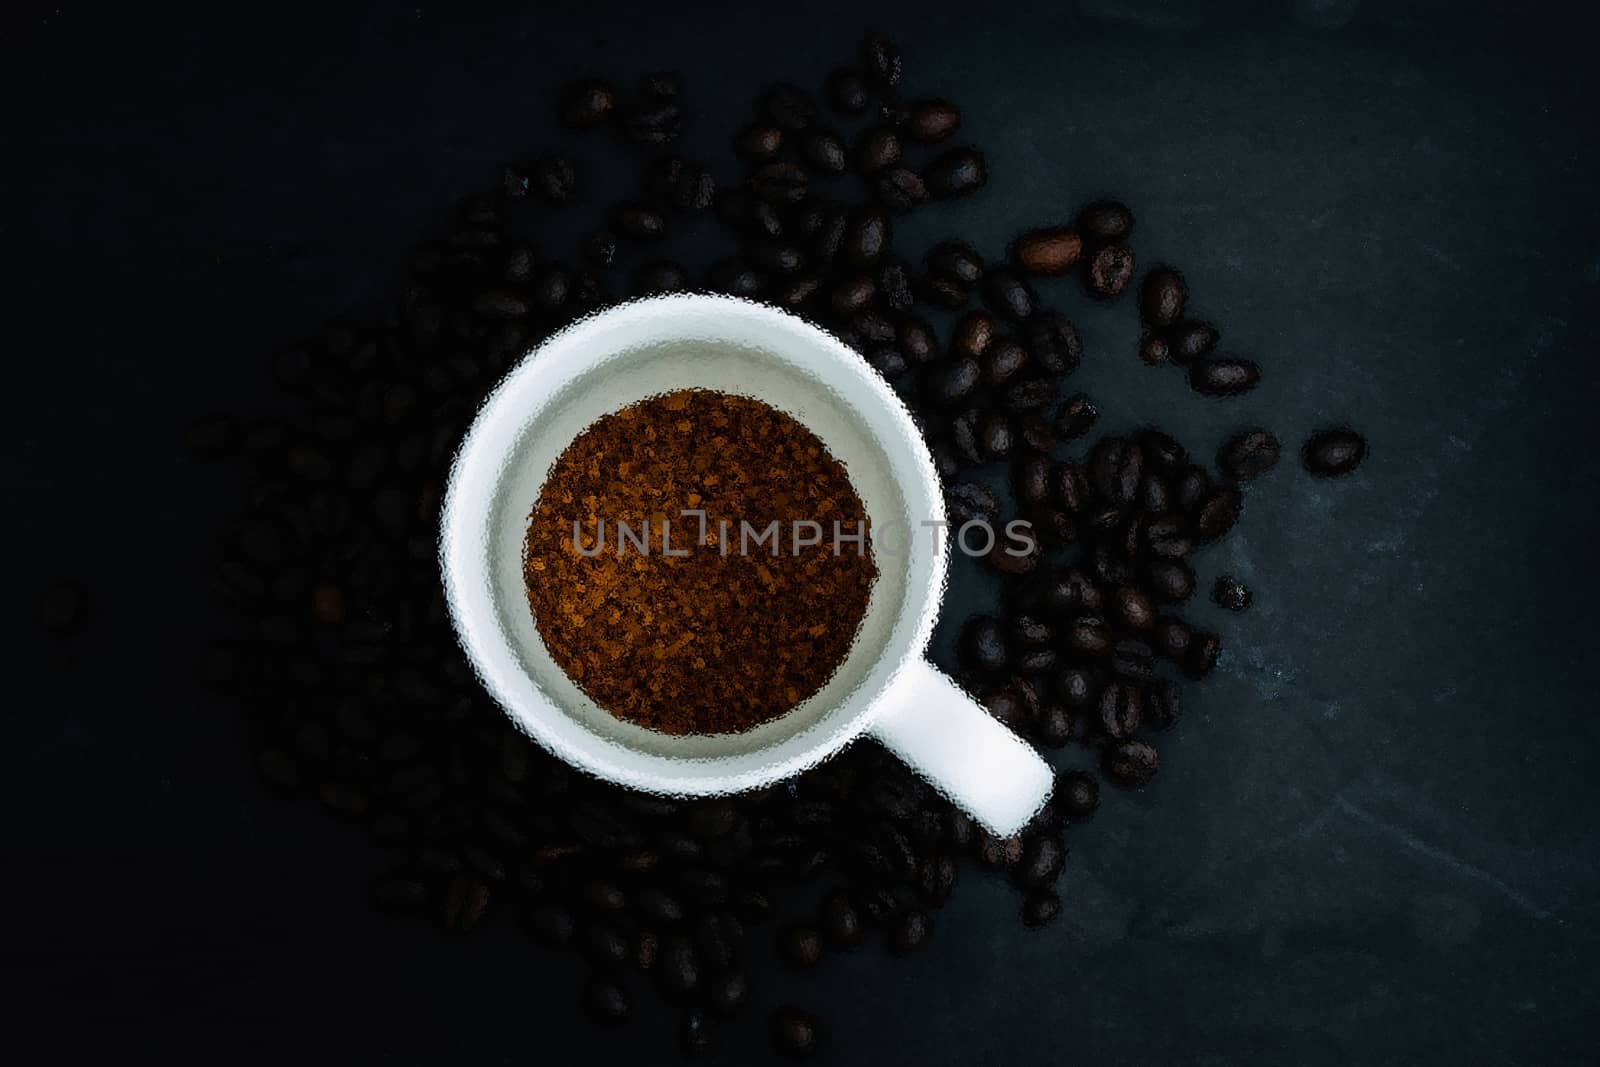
[[608, 363]]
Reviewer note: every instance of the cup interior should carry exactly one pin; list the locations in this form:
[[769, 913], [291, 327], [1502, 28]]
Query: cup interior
[[618, 358]]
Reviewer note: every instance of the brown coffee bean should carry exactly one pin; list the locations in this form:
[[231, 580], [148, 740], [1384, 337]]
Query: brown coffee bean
[[1223, 376], [795, 1032], [932, 120], [1231, 593], [1133, 607], [1162, 296], [1105, 222], [1154, 350], [1054, 250], [1335, 452], [847, 91], [1116, 467], [1170, 580], [1076, 416], [900, 189], [1053, 342], [605, 1001], [1132, 763], [1217, 514], [1172, 637], [788, 107], [1121, 710], [1007, 295], [881, 61], [1003, 360], [877, 148], [759, 142], [1201, 656], [1189, 340], [841, 924], [1110, 270], [1079, 794], [973, 334], [824, 151], [957, 259], [779, 182], [1040, 907], [638, 222], [800, 945], [909, 932], [1248, 454]]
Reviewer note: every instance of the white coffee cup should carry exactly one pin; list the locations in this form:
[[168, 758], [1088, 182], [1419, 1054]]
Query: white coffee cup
[[885, 688]]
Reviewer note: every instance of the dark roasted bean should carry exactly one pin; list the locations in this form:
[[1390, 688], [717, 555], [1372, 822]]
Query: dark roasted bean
[[794, 1032], [654, 121], [983, 644], [956, 172], [1154, 350], [866, 236], [1042, 859], [973, 334], [734, 276], [970, 500], [1162, 296], [1030, 478], [958, 260], [953, 381], [901, 189], [916, 340], [599, 248], [774, 257], [1231, 593], [759, 142], [1201, 656], [660, 276], [1133, 608], [694, 1034], [1054, 250], [1248, 454], [909, 932], [1334, 452], [894, 286], [932, 120], [840, 921], [1172, 637], [1088, 636], [852, 294], [1163, 705], [1110, 270], [1216, 514], [1121, 710], [1040, 907], [1189, 340], [64, 607], [679, 968], [789, 107], [1017, 553], [847, 91], [1076, 688], [1079, 794], [639, 222], [779, 182], [800, 945], [876, 148], [1223, 376], [605, 1001], [1007, 295], [1116, 467], [880, 59], [1003, 360], [824, 150], [1075, 417], [1171, 580], [1132, 763], [1105, 222], [727, 993]]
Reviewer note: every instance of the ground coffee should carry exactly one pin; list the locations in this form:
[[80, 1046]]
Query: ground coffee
[[698, 562]]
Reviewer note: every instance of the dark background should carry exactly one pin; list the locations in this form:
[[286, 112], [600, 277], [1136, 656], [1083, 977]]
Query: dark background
[[1373, 837]]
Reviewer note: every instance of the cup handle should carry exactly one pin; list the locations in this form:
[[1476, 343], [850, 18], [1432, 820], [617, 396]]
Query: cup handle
[[948, 738]]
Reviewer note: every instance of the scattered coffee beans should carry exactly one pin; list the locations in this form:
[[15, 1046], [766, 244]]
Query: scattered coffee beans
[[1330, 453]]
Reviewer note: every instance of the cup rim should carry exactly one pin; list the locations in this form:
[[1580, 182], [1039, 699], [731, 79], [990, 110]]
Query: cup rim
[[649, 315]]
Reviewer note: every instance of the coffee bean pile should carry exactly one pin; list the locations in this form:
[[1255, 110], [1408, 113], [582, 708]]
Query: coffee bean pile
[[357, 694]]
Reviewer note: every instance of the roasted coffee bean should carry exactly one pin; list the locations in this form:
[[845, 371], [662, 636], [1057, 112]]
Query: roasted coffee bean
[[800, 945], [1201, 655], [867, 236], [1079, 794], [1121, 710], [1153, 349], [587, 103], [876, 148], [1088, 636], [1053, 250], [1132, 659], [679, 969], [1007, 295], [1030, 394], [759, 142], [973, 334], [952, 382], [945, 459], [779, 182], [1194, 485], [660, 276], [1105, 222], [1054, 727], [996, 437], [964, 435], [887, 361], [932, 120], [852, 294], [654, 121], [894, 285], [1071, 487], [1172, 637], [956, 172], [605, 1001], [1223, 376], [599, 248], [727, 993], [1161, 450], [847, 91], [794, 1032], [552, 925], [1042, 859], [1165, 536], [1076, 416], [1334, 452], [916, 340], [824, 150], [1017, 553], [1030, 632], [554, 178], [1154, 494], [776, 258], [970, 500], [797, 292], [1132, 763], [605, 946], [788, 107], [1188, 340], [1055, 528], [1116, 467], [1076, 688], [1133, 607], [1030, 478], [999, 853], [1170, 580], [958, 260], [638, 222], [1110, 270], [1040, 907], [901, 189], [1216, 514], [1163, 705], [1231, 593], [983, 644], [909, 931], [1162, 296], [881, 61], [841, 923], [1248, 454], [1003, 360], [736, 277]]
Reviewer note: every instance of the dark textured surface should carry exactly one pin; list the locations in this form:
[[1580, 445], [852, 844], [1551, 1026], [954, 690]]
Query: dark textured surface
[[1373, 838]]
